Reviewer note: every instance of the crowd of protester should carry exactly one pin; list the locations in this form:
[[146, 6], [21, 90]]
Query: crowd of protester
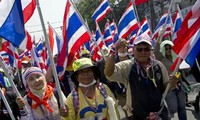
[[127, 83]]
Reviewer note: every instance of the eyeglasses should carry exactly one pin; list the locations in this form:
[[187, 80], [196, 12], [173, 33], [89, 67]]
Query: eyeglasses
[[146, 49]]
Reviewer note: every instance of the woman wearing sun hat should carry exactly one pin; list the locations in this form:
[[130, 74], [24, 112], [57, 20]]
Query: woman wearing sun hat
[[90, 99], [41, 101]]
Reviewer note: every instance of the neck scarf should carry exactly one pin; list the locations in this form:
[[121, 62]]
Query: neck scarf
[[48, 94]]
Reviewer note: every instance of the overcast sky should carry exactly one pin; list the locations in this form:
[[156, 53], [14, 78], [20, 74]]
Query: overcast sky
[[53, 11]]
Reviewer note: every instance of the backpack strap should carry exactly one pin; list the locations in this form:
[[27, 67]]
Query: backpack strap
[[102, 89]]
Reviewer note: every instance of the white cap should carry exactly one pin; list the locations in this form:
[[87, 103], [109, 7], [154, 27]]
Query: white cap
[[143, 38]]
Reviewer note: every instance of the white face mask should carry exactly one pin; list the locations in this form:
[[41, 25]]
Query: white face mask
[[122, 54], [92, 83]]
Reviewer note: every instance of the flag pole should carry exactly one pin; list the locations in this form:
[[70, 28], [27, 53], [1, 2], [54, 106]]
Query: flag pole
[[54, 30], [17, 69], [136, 13], [91, 36], [168, 85], [170, 6], [115, 20], [6, 104], [11, 82], [163, 27], [50, 56], [95, 42], [100, 32], [148, 25], [179, 10]]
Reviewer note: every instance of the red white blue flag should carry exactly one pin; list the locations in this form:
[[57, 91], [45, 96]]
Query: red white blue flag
[[13, 57], [75, 35], [191, 49], [186, 44], [101, 11], [144, 29], [189, 27], [177, 23], [160, 25], [55, 41], [127, 22]]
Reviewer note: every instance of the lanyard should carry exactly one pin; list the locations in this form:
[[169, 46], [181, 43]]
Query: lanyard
[[139, 70]]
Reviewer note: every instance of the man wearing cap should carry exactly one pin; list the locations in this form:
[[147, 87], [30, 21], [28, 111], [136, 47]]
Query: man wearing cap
[[144, 78]]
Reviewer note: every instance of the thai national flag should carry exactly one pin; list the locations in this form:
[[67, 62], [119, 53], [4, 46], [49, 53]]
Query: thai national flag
[[127, 22], [186, 44], [177, 23], [28, 7], [114, 31], [169, 27], [189, 27], [107, 36], [37, 59], [92, 46], [101, 11], [98, 44], [13, 57], [12, 22], [160, 25], [55, 41], [42, 51], [4, 56], [132, 36], [191, 49], [144, 27], [75, 34]]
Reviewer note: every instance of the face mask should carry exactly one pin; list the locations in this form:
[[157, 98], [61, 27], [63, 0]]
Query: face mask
[[92, 83], [122, 54]]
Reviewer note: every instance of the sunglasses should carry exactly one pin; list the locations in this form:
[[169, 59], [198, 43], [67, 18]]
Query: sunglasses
[[146, 49]]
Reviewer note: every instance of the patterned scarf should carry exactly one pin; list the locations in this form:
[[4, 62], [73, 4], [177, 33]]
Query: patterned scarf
[[48, 94]]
